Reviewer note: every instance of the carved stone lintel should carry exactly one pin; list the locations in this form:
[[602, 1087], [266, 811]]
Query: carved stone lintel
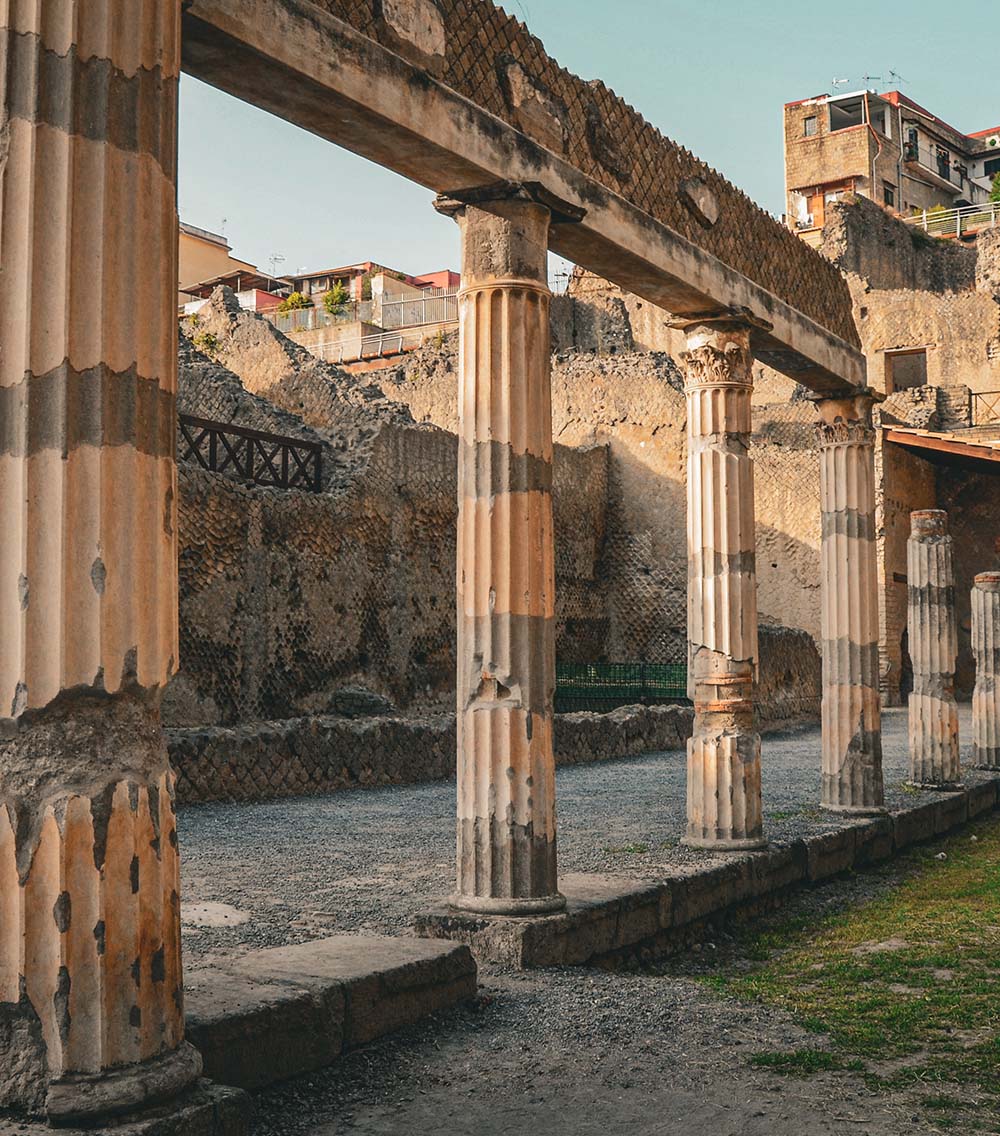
[[453, 202]]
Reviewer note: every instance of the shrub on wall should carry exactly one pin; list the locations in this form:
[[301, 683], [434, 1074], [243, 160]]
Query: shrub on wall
[[295, 302]]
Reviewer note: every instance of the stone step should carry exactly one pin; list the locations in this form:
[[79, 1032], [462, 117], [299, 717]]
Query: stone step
[[274, 1014]]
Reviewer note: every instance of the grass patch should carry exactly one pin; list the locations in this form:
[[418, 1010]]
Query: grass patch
[[906, 987], [805, 1062]]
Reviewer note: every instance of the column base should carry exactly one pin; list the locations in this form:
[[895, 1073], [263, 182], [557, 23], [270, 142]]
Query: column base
[[752, 844], [204, 1109], [503, 905], [855, 810], [83, 1098], [937, 786]]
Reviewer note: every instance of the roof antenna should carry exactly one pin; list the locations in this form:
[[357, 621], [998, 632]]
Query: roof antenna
[[895, 77], [840, 83], [866, 79], [275, 258]]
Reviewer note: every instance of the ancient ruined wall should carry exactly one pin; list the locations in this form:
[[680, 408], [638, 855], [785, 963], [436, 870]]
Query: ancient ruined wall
[[911, 290], [286, 596], [863, 239], [908, 483], [323, 754], [634, 403]]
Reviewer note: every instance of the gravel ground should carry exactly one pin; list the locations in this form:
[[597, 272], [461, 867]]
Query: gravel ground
[[575, 1052], [368, 860]]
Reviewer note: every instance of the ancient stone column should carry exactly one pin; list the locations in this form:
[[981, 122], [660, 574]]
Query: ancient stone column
[[986, 648], [851, 711], [505, 565], [723, 786], [933, 638], [91, 1011]]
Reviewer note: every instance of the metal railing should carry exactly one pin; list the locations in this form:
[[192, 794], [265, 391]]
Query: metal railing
[[437, 305], [985, 407], [369, 346], [264, 459], [956, 222], [309, 319], [603, 686]]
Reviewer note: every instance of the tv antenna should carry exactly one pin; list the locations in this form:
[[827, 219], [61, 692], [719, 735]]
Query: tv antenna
[[866, 79], [222, 230], [275, 259], [895, 77], [840, 83]]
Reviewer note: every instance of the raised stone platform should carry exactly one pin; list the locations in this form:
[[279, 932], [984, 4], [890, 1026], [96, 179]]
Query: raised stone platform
[[609, 918], [273, 1014]]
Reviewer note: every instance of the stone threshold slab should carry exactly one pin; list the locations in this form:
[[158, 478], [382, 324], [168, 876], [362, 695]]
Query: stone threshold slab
[[274, 1014], [609, 918]]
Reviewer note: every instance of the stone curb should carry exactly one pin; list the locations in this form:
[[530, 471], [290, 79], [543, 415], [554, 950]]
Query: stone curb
[[617, 918], [274, 1014]]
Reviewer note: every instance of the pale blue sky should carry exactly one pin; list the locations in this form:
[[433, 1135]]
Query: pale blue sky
[[712, 75]]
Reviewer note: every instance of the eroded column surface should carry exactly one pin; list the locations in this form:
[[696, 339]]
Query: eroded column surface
[[986, 648], [91, 1016], [851, 711], [723, 785], [506, 568], [933, 638]]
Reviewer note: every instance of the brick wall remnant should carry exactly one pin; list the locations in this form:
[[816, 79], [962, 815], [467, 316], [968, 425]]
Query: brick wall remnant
[[257, 761]]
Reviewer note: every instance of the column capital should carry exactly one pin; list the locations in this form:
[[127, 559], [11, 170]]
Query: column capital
[[734, 317], [845, 417], [454, 202], [718, 355]]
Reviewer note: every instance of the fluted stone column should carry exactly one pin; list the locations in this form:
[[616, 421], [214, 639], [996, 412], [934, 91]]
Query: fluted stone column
[[506, 562], [91, 1010], [933, 638], [851, 711], [723, 786], [986, 648]]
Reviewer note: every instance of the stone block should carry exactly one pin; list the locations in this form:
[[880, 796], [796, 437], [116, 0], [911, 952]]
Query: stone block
[[982, 797], [277, 1013], [873, 841], [252, 1033], [830, 853], [911, 826], [952, 811]]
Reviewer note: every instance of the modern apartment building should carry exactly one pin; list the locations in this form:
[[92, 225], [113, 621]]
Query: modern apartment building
[[885, 147]]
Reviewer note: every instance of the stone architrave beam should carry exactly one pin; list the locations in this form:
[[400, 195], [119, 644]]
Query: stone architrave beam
[[377, 82], [91, 1007], [724, 808], [506, 826], [851, 712], [933, 638], [986, 648]]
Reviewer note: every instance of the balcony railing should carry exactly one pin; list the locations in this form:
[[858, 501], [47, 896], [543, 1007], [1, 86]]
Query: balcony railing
[[957, 222], [264, 459], [985, 408]]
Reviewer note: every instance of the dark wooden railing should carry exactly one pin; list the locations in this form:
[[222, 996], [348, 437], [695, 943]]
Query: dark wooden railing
[[264, 459]]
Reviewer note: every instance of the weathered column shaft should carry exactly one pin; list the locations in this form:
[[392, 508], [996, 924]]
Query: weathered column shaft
[[506, 565], [933, 638], [986, 648], [723, 788], [851, 711], [90, 969]]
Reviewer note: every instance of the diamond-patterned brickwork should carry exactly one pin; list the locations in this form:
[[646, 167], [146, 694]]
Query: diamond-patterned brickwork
[[645, 167]]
